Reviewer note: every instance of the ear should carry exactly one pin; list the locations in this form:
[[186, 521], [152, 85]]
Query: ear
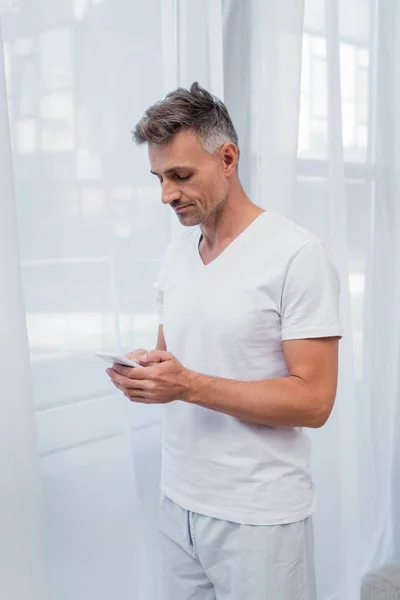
[[229, 155]]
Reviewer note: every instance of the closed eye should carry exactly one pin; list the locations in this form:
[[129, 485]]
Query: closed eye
[[173, 175]]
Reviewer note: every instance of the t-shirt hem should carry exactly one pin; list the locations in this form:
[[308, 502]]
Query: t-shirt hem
[[242, 518], [293, 334]]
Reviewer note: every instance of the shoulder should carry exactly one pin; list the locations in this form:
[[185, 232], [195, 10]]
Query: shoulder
[[288, 237], [289, 248], [305, 260]]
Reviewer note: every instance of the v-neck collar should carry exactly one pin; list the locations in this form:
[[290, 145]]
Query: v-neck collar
[[226, 251]]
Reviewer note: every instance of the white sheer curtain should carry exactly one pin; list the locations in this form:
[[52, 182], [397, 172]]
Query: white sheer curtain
[[313, 87], [381, 383], [22, 560], [92, 231]]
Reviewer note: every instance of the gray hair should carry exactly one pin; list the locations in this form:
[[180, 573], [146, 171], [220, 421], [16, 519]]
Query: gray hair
[[192, 110]]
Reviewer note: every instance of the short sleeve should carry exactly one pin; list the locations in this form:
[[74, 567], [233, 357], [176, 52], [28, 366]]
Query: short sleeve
[[310, 296]]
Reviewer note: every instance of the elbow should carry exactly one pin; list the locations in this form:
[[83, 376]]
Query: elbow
[[322, 409], [315, 403], [318, 421]]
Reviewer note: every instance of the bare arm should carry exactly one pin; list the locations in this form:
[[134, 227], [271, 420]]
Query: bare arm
[[304, 398]]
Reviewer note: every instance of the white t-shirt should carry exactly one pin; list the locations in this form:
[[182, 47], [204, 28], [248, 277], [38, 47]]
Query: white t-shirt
[[228, 319]]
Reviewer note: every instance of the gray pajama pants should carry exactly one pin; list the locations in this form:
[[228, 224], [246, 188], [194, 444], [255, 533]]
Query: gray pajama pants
[[209, 559]]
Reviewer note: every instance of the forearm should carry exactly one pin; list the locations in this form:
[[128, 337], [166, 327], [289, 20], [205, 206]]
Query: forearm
[[287, 401]]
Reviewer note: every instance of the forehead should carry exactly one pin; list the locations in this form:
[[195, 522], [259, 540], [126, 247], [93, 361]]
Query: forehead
[[184, 149]]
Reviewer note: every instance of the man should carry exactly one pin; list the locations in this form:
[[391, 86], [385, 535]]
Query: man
[[246, 357]]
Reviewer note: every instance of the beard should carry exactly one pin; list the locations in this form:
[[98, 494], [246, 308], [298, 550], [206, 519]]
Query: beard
[[191, 218], [197, 214]]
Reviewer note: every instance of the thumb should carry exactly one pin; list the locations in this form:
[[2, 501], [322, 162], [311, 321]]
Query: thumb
[[155, 356]]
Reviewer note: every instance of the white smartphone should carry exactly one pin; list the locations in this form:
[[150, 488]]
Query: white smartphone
[[116, 359]]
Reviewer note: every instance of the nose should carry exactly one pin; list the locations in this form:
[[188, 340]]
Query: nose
[[169, 192]]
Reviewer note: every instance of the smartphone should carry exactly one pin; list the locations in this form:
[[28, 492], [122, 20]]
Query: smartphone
[[116, 359]]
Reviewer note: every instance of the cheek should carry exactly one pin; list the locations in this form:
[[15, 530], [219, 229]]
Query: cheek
[[208, 192], [199, 196], [219, 192]]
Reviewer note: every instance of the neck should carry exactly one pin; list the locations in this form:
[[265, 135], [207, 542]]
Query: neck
[[229, 220]]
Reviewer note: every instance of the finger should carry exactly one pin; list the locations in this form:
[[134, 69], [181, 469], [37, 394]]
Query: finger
[[132, 395], [136, 398], [132, 373], [141, 395], [146, 398], [131, 384], [127, 371], [155, 356]]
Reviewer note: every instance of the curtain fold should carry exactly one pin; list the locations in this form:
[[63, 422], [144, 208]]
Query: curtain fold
[[23, 571], [344, 444], [262, 69], [381, 387]]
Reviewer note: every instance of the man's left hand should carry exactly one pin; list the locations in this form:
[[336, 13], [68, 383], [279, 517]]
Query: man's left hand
[[161, 380]]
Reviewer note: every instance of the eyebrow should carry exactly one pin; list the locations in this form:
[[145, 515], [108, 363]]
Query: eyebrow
[[171, 170]]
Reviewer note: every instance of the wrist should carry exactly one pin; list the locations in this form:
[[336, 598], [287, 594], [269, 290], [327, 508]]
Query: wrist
[[191, 386]]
